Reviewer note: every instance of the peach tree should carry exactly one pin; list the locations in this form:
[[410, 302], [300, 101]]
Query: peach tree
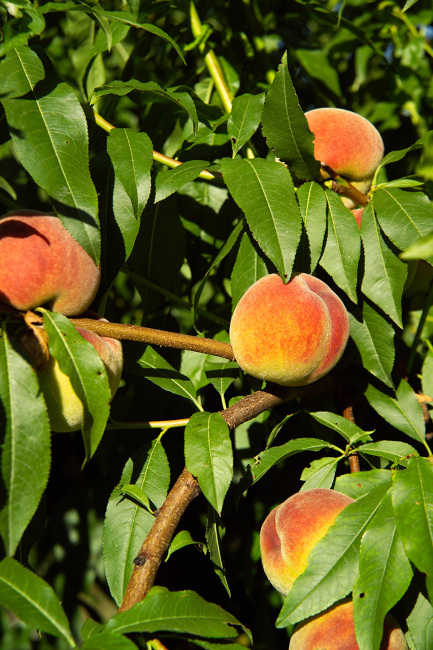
[[173, 142]]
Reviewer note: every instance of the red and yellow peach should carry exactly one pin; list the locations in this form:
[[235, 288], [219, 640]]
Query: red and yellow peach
[[291, 334], [43, 265]]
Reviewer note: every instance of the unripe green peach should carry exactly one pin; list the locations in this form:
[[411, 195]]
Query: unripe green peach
[[292, 530], [43, 265], [348, 143], [65, 409], [291, 334], [334, 629]]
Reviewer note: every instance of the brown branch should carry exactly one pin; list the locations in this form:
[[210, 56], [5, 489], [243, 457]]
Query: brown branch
[[353, 458], [343, 187], [187, 488]]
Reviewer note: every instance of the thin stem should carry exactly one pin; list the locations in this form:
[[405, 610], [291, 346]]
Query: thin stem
[[156, 337], [159, 157], [154, 424], [211, 61], [343, 187]]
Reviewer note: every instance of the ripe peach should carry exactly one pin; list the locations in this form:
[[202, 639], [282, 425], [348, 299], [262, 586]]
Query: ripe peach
[[65, 409], [348, 143], [291, 334], [292, 529], [334, 629], [43, 265], [357, 213]]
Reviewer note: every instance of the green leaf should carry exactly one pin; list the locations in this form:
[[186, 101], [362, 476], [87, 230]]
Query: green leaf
[[26, 436], [357, 484], [169, 181], [178, 611], [312, 202], [403, 216], [161, 373], [273, 455], [181, 540], [317, 65], [343, 246], [420, 624], [17, 31], [385, 574], [13, 84], [137, 494], [131, 155], [108, 641], [422, 249], [335, 554], [250, 266], [214, 531], [349, 430], [79, 360], [374, 338], [151, 92], [32, 600], [384, 274], [320, 473], [126, 523], [392, 450], [427, 374], [244, 119], [222, 375], [49, 132], [285, 126], [264, 191], [209, 455], [404, 412], [412, 498]]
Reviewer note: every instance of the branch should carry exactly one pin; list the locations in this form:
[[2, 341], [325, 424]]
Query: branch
[[343, 187], [187, 488]]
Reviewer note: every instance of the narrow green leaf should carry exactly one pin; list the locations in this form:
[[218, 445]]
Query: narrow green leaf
[[152, 92], [264, 191], [131, 155], [273, 455], [169, 181], [26, 446], [21, 58], [412, 498], [403, 412], [404, 216], [285, 126], [222, 375], [343, 246], [137, 494], [250, 266], [422, 249], [320, 473], [108, 641], [244, 119], [214, 531], [420, 624], [317, 65], [29, 22], [374, 338], [427, 374], [33, 600], [335, 554], [312, 202], [181, 540], [357, 484], [384, 274], [127, 523], [209, 455], [349, 430], [392, 450], [384, 576], [181, 611], [161, 373], [79, 360], [49, 132]]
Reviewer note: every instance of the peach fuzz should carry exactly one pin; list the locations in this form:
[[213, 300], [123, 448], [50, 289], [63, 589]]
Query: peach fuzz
[[65, 409], [43, 265], [291, 334], [334, 629], [292, 530]]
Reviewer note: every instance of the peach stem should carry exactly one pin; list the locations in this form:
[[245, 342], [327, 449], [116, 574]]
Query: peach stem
[[342, 186]]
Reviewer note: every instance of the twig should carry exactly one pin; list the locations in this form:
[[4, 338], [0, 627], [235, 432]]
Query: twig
[[343, 187], [353, 458]]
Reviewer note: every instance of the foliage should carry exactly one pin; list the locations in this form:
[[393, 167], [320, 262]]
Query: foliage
[[100, 104]]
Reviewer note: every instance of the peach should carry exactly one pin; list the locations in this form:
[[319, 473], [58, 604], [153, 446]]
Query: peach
[[65, 409], [348, 143], [357, 213], [43, 265], [292, 530], [291, 334], [334, 629]]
